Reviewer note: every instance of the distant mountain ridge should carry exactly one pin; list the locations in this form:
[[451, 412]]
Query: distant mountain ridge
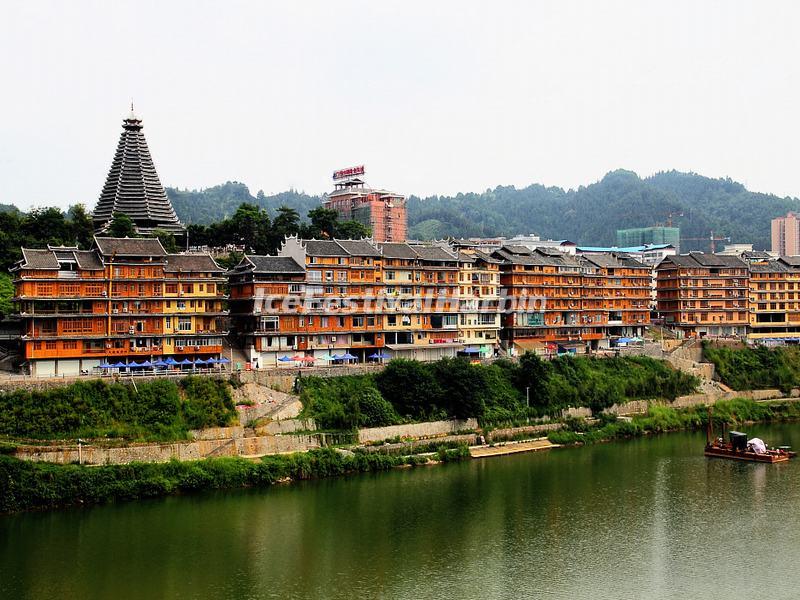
[[588, 215]]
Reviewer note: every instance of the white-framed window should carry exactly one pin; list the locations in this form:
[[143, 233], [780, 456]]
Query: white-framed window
[[269, 323], [184, 323]]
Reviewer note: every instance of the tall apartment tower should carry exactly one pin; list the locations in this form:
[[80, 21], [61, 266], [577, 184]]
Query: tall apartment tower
[[786, 235], [382, 211], [133, 187]]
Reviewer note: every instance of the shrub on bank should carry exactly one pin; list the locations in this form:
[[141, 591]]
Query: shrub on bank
[[495, 394], [661, 419], [30, 486], [755, 368], [154, 410]]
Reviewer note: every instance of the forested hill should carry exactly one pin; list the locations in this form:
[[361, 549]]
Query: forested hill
[[588, 215]]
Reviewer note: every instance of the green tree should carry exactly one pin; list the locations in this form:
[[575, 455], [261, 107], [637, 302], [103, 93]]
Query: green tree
[[121, 226], [324, 223], [46, 226], [464, 387], [352, 230], [532, 377], [167, 240], [6, 294], [81, 226], [410, 387], [251, 227]]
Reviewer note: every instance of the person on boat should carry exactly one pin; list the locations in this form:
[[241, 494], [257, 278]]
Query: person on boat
[[757, 445]]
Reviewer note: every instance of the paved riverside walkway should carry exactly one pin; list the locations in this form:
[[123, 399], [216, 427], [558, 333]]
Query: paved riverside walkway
[[511, 448]]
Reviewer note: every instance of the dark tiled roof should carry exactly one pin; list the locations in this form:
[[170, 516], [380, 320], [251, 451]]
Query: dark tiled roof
[[540, 256], [397, 250], [513, 249], [323, 248], [129, 246], [434, 253], [772, 266], [678, 260], [466, 258], [791, 260], [359, 247], [614, 260], [479, 254], [755, 255], [38, 259], [701, 259], [717, 260], [192, 263], [88, 259], [273, 264]]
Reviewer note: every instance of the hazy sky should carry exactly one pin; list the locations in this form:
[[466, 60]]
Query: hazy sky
[[434, 97]]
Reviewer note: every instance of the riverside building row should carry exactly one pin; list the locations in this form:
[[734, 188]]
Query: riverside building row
[[124, 302], [365, 300], [128, 302], [375, 300], [711, 295]]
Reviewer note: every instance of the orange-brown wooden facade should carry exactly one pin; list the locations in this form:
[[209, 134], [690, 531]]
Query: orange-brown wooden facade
[[581, 302], [133, 302], [702, 295]]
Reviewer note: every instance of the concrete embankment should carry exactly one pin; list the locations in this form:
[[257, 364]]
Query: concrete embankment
[[273, 437], [511, 448]]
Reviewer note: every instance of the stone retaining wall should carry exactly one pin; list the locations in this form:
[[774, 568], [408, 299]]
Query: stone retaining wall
[[286, 426], [416, 430], [509, 432], [195, 450], [400, 447]]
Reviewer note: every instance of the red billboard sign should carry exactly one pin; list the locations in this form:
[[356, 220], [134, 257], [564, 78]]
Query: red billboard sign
[[350, 172]]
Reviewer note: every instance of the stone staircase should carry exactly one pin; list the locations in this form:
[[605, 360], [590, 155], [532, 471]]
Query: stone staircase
[[234, 353]]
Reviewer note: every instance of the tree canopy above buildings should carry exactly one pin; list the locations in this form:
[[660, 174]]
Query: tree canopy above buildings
[[588, 215]]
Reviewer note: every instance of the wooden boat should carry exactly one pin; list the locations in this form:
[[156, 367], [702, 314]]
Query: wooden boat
[[739, 448]]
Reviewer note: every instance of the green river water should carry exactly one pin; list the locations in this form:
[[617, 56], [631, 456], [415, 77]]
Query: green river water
[[647, 518]]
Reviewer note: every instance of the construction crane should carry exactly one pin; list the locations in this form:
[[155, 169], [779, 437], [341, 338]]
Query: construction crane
[[711, 238], [669, 217]]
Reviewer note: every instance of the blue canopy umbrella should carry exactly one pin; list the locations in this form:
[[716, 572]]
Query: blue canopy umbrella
[[160, 363], [222, 360], [286, 359], [212, 361], [185, 361], [381, 355], [118, 365], [348, 356], [374, 355], [337, 357], [147, 363], [171, 361], [201, 361], [104, 365], [133, 363]]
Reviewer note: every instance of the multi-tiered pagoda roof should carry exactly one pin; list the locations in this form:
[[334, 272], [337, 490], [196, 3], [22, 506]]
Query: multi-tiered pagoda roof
[[133, 187]]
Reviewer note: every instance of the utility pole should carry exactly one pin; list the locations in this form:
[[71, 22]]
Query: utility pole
[[528, 404]]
